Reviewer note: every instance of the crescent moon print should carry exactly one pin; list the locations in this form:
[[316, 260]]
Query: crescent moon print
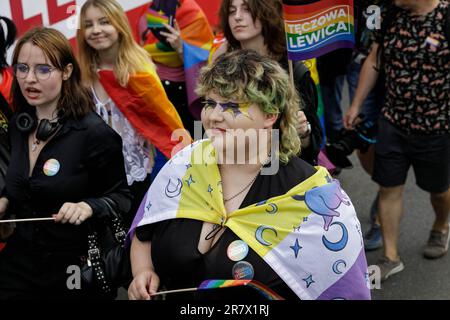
[[259, 235], [341, 244], [336, 266], [173, 192], [273, 208]]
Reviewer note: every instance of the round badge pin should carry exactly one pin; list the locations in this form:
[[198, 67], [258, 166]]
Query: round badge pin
[[243, 270], [237, 250], [51, 167]]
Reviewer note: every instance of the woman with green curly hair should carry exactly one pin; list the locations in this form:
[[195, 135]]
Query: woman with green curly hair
[[258, 96], [225, 207]]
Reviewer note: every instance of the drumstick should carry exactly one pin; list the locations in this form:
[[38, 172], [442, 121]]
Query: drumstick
[[26, 220]]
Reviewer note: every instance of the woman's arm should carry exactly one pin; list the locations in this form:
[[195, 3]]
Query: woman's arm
[[368, 78], [145, 280], [106, 171]]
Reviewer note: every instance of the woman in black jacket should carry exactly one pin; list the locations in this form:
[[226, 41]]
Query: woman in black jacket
[[65, 163]]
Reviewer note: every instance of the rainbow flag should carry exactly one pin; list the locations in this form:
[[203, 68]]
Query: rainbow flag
[[258, 286], [197, 39], [310, 236], [145, 104], [315, 29]]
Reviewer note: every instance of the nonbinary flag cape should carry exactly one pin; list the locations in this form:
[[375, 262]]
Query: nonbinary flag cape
[[310, 236], [146, 106], [317, 28]]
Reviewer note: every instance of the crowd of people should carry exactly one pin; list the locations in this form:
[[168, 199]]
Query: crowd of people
[[103, 138]]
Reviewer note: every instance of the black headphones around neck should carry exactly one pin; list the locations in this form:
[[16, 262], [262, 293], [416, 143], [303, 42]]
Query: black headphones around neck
[[45, 128]]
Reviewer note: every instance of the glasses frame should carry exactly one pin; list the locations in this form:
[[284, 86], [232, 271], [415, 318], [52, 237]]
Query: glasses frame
[[38, 76]]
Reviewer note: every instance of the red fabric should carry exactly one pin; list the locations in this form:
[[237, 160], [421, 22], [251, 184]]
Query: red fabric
[[5, 85], [144, 103], [211, 9]]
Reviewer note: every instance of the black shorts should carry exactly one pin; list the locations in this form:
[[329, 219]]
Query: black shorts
[[396, 151]]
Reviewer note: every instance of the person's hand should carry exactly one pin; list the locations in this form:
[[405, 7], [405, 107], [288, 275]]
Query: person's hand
[[304, 128], [173, 37], [143, 285], [350, 116], [6, 229], [74, 213]]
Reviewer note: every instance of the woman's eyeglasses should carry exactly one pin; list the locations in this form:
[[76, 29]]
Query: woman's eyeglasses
[[41, 71]]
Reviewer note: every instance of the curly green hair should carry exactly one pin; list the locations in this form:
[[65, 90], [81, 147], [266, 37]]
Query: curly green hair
[[245, 75]]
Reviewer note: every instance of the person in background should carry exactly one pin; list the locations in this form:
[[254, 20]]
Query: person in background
[[7, 37], [127, 92], [414, 129], [65, 161], [258, 25]]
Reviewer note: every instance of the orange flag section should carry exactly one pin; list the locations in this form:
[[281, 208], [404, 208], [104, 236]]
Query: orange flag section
[[146, 106]]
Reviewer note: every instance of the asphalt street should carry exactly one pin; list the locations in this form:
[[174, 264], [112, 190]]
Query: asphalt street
[[421, 278]]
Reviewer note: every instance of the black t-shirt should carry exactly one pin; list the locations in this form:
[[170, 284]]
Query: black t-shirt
[[179, 264]]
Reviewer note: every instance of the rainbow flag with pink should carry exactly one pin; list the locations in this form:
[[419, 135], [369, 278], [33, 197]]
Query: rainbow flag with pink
[[197, 38], [315, 29]]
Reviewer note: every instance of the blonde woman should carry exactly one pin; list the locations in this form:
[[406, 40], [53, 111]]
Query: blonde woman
[[127, 92], [208, 217]]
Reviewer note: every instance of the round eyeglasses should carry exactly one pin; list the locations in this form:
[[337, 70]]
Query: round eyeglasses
[[41, 71]]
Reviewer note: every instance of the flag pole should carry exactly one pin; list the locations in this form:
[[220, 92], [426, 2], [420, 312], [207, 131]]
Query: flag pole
[[173, 291], [290, 63], [291, 72]]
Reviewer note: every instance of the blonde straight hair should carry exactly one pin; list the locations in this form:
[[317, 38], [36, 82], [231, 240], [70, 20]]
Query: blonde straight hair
[[131, 58]]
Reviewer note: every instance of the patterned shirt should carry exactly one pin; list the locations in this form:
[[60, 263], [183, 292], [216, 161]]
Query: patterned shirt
[[417, 69]]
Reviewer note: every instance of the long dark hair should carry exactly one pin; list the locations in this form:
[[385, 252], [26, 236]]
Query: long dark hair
[[270, 14], [75, 100], [7, 38]]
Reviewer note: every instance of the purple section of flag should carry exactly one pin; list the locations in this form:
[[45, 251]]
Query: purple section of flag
[[194, 59], [295, 56], [353, 285], [137, 218]]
